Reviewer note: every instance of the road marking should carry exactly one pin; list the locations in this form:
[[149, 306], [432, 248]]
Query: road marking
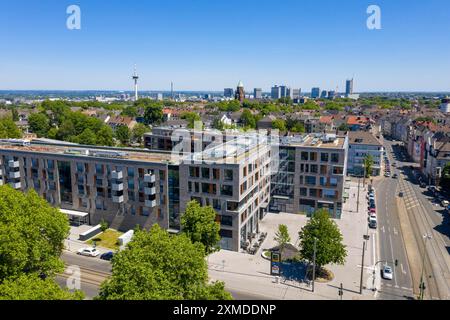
[[403, 270], [382, 229], [395, 231], [392, 255]]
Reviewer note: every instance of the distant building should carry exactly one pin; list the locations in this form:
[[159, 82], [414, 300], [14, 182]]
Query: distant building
[[275, 93], [315, 93], [257, 93], [284, 91], [445, 106], [360, 145], [228, 92], [331, 94], [159, 96], [295, 93], [349, 87], [240, 92], [324, 94]]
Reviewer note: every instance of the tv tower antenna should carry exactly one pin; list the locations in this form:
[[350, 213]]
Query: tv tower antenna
[[135, 78]]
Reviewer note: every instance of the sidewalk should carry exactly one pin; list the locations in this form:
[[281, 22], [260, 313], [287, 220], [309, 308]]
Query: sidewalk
[[72, 244], [251, 274]]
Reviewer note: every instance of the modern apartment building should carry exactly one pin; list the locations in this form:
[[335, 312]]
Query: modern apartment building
[[315, 93], [257, 93], [311, 174], [127, 187], [275, 93]]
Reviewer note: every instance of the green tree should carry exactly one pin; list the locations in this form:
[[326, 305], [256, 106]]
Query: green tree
[[158, 266], [344, 127], [153, 113], [199, 224], [39, 124], [248, 119], [31, 234], [15, 114], [279, 124], [368, 165], [445, 181], [87, 137], [191, 118], [105, 136], [138, 132], [329, 248], [123, 134], [32, 287], [8, 129], [282, 237]]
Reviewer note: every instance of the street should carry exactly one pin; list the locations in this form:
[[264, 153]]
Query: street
[[391, 243]]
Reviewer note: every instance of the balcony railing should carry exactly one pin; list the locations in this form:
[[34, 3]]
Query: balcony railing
[[149, 178], [117, 175], [150, 191], [117, 199], [150, 203], [15, 185], [117, 187], [14, 174], [13, 164]]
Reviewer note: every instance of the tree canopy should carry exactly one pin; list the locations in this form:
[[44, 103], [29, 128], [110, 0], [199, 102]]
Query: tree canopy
[[8, 129], [158, 266], [330, 248], [32, 287], [199, 224]]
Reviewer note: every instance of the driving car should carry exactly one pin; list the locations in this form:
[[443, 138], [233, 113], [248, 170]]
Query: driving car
[[387, 273], [423, 184], [395, 176], [387, 174], [107, 256], [88, 252], [445, 203], [372, 223]]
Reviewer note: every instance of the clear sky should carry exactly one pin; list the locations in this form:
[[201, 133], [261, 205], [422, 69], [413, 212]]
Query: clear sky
[[212, 44]]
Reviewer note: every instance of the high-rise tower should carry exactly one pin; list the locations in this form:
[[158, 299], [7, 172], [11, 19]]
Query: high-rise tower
[[240, 93], [135, 78]]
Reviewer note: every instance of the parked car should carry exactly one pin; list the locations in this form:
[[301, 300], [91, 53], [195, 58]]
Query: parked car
[[395, 176], [445, 203], [372, 223], [107, 256], [387, 174], [423, 184], [432, 189], [387, 273], [372, 210], [88, 252]]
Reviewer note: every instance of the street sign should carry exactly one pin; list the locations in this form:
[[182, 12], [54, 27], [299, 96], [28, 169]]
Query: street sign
[[275, 261]]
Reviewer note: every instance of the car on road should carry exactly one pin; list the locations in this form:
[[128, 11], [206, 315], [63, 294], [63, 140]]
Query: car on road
[[423, 185], [88, 252], [107, 256], [387, 273], [395, 176], [445, 203], [432, 189], [387, 174], [372, 210], [372, 223]]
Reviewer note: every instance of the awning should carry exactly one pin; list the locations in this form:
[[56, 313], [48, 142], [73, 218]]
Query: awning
[[74, 213], [325, 202]]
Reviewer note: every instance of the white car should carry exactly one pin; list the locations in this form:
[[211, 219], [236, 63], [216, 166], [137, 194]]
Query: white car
[[387, 273], [89, 252], [445, 203]]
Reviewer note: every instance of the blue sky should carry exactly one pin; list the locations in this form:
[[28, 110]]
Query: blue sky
[[212, 44]]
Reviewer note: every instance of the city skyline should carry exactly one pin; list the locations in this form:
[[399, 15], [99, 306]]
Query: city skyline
[[313, 44]]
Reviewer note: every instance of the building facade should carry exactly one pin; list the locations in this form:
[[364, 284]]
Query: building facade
[[360, 145]]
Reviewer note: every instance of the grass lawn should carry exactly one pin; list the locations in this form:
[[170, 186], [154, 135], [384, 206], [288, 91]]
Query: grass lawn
[[107, 239]]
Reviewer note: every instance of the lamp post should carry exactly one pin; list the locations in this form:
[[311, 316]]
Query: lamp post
[[422, 283], [314, 264]]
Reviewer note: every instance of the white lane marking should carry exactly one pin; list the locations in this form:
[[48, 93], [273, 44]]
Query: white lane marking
[[382, 229], [395, 231], [392, 255], [403, 270]]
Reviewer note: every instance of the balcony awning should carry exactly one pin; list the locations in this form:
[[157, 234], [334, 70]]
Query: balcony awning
[[75, 213]]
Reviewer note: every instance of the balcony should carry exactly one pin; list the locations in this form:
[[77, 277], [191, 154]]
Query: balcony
[[150, 203], [1, 172], [117, 175], [150, 191], [117, 187], [149, 178], [15, 185], [117, 199], [13, 164], [14, 174]]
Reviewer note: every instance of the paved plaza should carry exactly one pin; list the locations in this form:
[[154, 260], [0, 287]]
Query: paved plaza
[[250, 274]]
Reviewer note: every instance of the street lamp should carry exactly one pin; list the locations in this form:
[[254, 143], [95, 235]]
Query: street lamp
[[422, 283], [314, 264]]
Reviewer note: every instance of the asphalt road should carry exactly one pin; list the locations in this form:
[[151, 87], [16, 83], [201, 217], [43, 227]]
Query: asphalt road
[[94, 271], [391, 243]]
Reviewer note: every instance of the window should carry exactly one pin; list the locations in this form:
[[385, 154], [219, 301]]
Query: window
[[80, 167], [130, 172], [324, 157], [305, 156], [303, 192], [216, 174], [217, 204], [232, 206], [228, 175], [131, 196], [51, 164], [338, 170], [309, 180], [314, 168], [190, 186], [313, 156], [99, 169], [226, 233], [197, 187], [205, 173], [313, 193], [330, 194], [226, 190], [226, 221], [335, 157], [209, 188], [333, 182], [194, 172]]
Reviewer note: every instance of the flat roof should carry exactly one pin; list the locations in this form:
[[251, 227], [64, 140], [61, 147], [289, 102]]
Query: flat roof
[[363, 137], [93, 152], [315, 141]]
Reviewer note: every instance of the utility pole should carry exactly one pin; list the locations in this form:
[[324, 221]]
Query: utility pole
[[314, 264], [357, 200], [362, 268], [341, 291], [422, 283]]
